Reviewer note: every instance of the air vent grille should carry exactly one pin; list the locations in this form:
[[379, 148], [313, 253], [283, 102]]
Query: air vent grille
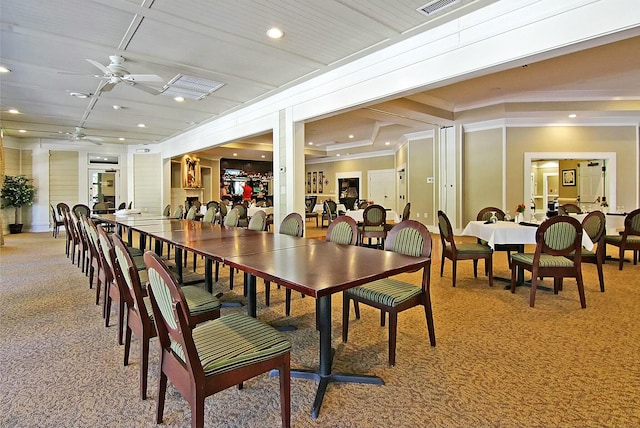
[[192, 87], [436, 6]]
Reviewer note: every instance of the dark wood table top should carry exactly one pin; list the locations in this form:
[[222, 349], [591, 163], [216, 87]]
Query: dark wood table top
[[246, 242], [325, 268]]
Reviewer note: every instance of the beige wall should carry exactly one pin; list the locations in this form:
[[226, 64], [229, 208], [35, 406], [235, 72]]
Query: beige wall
[[567, 194], [482, 171], [618, 139], [330, 169], [421, 164]]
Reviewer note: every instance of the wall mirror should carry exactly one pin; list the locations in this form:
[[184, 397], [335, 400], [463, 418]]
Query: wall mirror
[[576, 178]]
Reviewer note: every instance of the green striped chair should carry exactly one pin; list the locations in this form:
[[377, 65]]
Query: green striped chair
[[258, 221], [374, 225], [557, 239], [629, 239], [132, 282], [230, 220], [464, 251], [213, 356], [291, 225], [594, 225], [391, 295]]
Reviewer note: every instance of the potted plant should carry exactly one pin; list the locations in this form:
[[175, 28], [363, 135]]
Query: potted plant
[[17, 191]]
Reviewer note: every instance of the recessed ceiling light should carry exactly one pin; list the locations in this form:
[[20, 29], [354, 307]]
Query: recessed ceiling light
[[4, 69], [142, 125], [338, 154], [179, 99], [121, 138], [350, 135], [117, 107], [80, 94], [263, 156], [14, 111], [235, 154], [387, 143], [311, 143], [22, 131], [573, 115], [275, 33]]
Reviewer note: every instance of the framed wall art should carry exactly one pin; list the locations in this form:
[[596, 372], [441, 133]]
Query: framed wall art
[[568, 177]]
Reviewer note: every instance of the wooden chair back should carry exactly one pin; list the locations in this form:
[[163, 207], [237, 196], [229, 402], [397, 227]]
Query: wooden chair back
[[343, 230]]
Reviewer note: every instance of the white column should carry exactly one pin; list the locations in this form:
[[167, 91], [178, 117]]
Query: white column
[[40, 214], [288, 166]]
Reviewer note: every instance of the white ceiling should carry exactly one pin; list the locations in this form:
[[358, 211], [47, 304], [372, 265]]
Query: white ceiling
[[46, 44]]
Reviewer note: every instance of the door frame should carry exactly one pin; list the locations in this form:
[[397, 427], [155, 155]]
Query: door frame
[[116, 183]]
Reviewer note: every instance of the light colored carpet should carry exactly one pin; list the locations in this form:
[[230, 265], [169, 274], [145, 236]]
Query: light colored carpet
[[497, 363]]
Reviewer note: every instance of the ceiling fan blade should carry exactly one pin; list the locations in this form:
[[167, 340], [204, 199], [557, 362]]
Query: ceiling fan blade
[[101, 67], [143, 78], [147, 89], [108, 85], [96, 141]]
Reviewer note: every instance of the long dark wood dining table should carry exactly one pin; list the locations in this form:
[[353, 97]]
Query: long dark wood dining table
[[315, 268]]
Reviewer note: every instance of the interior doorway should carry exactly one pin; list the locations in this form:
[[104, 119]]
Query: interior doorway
[[382, 187], [104, 186]]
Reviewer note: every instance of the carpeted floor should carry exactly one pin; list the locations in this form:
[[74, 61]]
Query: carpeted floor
[[497, 363]]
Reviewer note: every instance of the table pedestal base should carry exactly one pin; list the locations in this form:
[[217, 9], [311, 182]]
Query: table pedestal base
[[325, 380]]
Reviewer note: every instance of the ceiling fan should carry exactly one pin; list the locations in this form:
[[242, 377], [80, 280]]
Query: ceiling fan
[[115, 73], [79, 135]]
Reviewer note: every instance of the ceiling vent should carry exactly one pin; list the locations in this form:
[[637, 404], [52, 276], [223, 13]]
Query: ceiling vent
[[195, 88], [436, 6]]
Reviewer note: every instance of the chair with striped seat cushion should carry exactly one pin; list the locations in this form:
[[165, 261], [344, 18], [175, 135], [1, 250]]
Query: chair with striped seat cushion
[[374, 225], [132, 282], [291, 225], [629, 239], [343, 230], [258, 221], [557, 239], [465, 251], [391, 295], [594, 225], [213, 356]]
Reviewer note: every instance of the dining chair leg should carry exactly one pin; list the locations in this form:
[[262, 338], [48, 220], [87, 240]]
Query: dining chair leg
[[583, 301], [534, 286], [144, 366], [600, 275], [127, 346], [475, 268], [393, 330], [454, 269], [197, 410], [162, 390]]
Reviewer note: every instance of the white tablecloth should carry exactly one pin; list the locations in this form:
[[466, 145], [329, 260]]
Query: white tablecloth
[[615, 223], [319, 208], [507, 232], [253, 210], [358, 215]]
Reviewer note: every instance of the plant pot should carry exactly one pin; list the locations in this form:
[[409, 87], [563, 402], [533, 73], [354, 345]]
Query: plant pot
[[15, 228]]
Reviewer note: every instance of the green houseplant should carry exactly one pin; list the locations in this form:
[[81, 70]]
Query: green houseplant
[[17, 192]]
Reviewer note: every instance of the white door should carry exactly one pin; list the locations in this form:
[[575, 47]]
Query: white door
[[590, 183], [448, 155], [382, 187]]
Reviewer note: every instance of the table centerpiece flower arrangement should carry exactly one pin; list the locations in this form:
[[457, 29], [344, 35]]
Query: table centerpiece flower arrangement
[[520, 212]]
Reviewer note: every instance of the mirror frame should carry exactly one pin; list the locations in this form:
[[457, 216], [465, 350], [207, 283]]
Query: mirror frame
[[609, 157]]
